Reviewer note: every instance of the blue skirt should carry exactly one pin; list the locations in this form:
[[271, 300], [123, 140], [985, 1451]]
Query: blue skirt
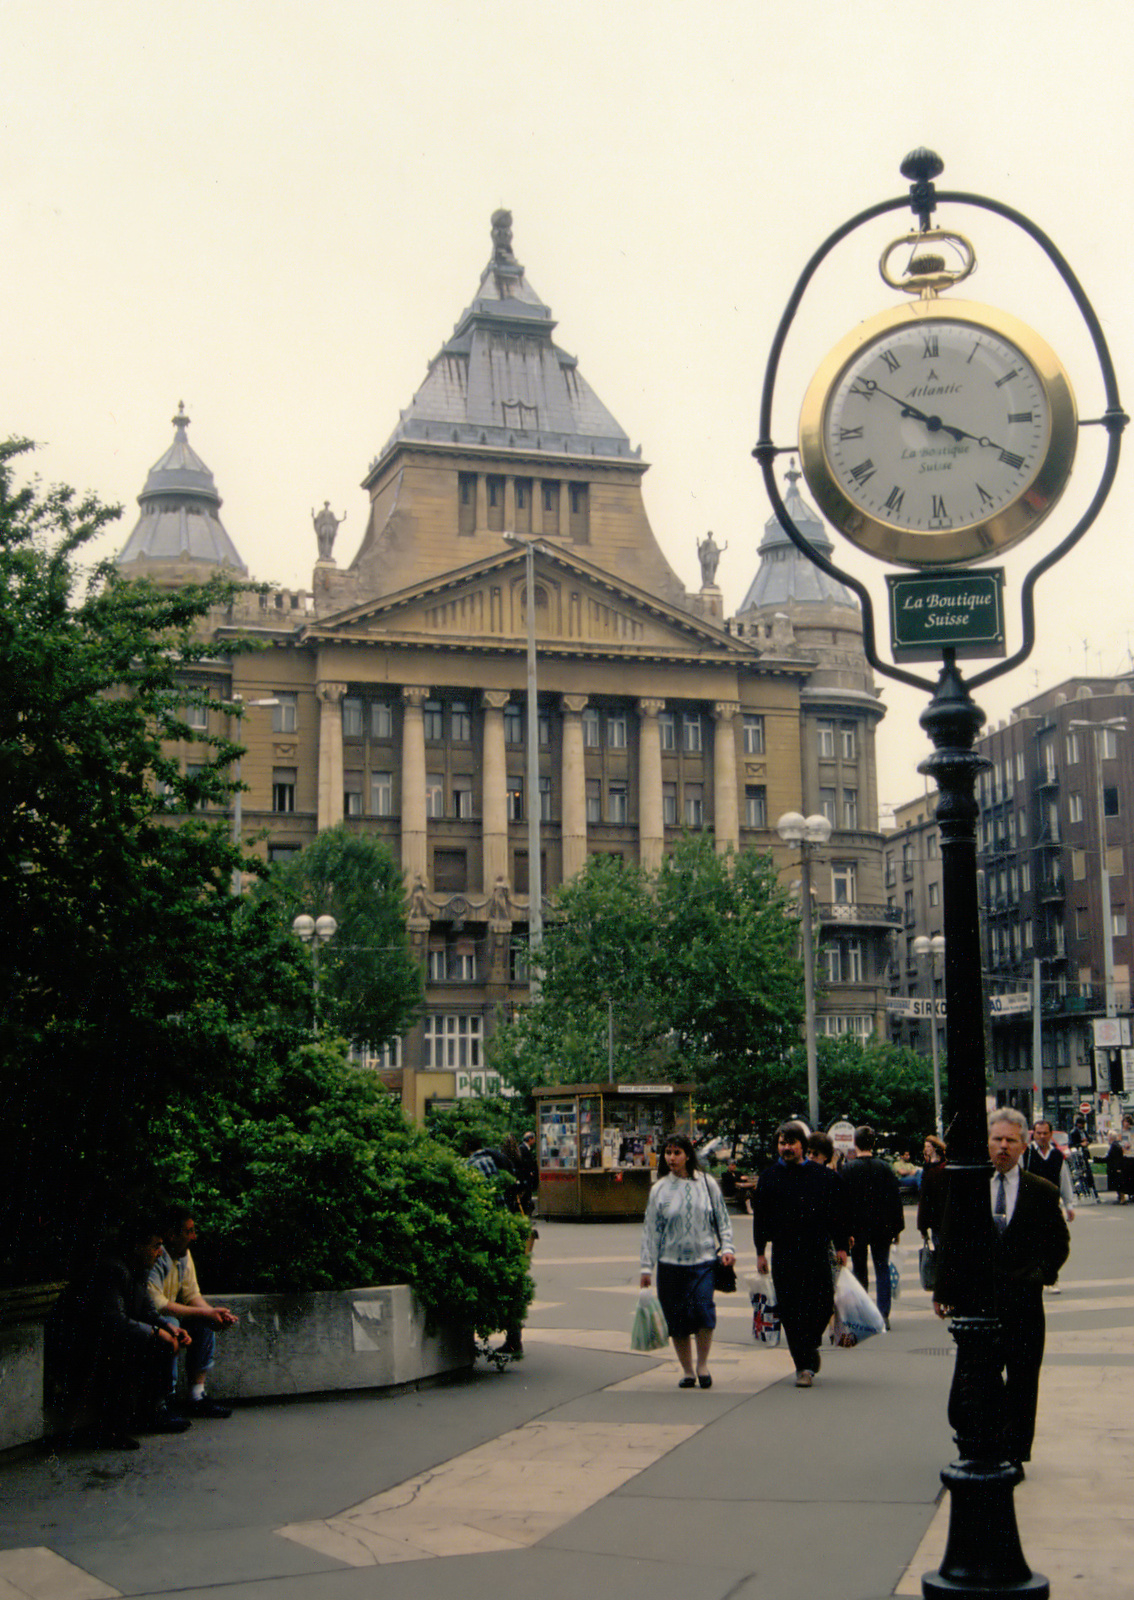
[[686, 1295]]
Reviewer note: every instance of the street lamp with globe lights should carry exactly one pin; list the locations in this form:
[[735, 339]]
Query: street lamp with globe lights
[[929, 949], [315, 932], [794, 828]]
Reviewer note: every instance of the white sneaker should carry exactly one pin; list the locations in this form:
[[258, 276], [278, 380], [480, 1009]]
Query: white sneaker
[[803, 1380], [1053, 1288]]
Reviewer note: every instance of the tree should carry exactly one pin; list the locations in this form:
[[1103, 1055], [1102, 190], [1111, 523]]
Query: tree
[[696, 966], [370, 985], [886, 1085], [129, 969]]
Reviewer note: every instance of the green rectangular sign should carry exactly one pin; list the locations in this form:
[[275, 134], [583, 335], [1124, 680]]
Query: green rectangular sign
[[961, 610]]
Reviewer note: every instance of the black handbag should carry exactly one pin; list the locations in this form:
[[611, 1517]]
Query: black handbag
[[724, 1273], [927, 1267]]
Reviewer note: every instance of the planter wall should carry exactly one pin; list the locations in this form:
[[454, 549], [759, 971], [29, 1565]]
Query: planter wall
[[21, 1384]]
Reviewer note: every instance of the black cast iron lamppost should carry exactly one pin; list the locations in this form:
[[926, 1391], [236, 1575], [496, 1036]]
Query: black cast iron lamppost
[[938, 434]]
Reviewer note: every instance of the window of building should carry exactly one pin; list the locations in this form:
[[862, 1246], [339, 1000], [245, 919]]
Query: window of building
[[518, 961], [551, 508], [1110, 744], [694, 805], [494, 491], [460, 722], [1025, 877], [1072, 749], [850, 808], [433, 719], [434, 794], [283, 789], [691, 732], [934, 894], [594, 800], [578, 502], [545, 729], [829, 806], [463, 795], [450, 871], [1118, 921], [285, 716], [909, 906], [513, 723], [523, 505], [515, 797], [520, 878], [618, 802], [591, 728], [931, 846], [381, 719], [890, 876], [667, 729], [669, 804], [283, 852], [848, 736], [860, 1025], [452, 1042], [382, 794], [352, 794], [1114, 860], [466, 502], [1075, 807], [352, 717], [197, 716], [825, 732], [1028, 933], [545, 798], [848, 961], [1110, 801], [844, 882], [755, 805], [753, 735], [616, 730], [1022, 819]]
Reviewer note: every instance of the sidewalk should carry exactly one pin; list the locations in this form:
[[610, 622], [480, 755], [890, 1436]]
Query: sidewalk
[[584, 1470]]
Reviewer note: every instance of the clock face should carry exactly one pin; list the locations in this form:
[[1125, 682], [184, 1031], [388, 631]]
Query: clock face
[[938, 437]]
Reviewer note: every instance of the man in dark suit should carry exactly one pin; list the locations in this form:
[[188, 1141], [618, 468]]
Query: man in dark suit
[[1030, 1243], [874, 1215]]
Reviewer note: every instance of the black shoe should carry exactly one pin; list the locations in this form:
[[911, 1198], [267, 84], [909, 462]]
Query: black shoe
[[166, 1421], [204, 1407], [705, 1379], [508, 1348]]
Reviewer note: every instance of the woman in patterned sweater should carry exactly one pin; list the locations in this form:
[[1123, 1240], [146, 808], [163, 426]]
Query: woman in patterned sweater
[[686, 1226]]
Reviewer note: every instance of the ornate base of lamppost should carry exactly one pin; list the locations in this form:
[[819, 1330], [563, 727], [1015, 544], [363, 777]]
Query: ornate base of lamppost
[[983, 1557]]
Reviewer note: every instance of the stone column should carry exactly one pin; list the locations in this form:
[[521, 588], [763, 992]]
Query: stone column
[[481, 502], [330, 795], [651, 827], [573, 786], [510, 503], [494, 792], [415, 852], [726, 802]]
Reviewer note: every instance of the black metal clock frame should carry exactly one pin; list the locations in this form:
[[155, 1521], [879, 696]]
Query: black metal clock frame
[[983, 1556]]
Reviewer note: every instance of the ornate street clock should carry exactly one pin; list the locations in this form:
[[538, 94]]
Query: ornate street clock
[[940, 431]]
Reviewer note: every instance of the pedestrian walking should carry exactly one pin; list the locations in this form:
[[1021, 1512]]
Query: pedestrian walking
[[686, 1227], [874, 1215]]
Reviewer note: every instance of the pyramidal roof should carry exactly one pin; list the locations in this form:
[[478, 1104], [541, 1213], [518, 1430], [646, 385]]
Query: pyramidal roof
[[785, 575], [180, 519], [501, 382]]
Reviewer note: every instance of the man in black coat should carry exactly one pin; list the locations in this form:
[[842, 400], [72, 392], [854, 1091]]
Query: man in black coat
[[1030, 1244], [874, 1215], [797, 1206]]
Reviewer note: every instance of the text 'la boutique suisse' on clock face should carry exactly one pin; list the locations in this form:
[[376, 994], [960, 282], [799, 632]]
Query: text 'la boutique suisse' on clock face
[[937, 433]]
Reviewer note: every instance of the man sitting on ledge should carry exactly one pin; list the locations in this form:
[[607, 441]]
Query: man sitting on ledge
[[177, 1299]]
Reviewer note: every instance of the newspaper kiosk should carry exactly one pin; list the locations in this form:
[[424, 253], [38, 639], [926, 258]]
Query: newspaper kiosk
[[599, 1144]]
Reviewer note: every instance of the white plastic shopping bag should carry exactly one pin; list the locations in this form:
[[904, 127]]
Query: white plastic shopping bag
[[856, 1315], [649, 1331], [765, 1316]]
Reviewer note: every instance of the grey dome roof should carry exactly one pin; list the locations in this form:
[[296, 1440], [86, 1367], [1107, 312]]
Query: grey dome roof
[[785, 575], [180, 519], [500, 381]]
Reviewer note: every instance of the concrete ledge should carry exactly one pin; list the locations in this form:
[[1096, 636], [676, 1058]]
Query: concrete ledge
[[21, 1384], [371, 1338]]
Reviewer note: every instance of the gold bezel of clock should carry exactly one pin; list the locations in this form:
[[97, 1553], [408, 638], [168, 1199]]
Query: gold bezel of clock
[[976, 540]]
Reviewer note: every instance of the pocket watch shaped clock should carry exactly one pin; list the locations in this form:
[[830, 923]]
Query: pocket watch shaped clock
[[938, 432]]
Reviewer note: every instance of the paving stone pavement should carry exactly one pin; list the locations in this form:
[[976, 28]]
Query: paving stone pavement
[[584, 1467]]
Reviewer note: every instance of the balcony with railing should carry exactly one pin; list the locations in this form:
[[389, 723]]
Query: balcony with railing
[[858, 912]]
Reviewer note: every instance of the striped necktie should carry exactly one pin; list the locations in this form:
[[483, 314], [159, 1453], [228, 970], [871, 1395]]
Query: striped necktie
[[1000, 1209]]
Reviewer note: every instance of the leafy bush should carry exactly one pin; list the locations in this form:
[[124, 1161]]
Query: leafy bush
[[318, 1181], [489, 1117]]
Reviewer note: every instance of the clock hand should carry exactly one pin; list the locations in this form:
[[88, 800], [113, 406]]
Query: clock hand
[[933, 423]]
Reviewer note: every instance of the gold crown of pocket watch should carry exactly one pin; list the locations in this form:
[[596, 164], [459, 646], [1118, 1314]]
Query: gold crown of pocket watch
[[938, 431]]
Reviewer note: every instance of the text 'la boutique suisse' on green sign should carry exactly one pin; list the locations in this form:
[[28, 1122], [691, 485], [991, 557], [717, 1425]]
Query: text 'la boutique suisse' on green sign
[[963, 611]]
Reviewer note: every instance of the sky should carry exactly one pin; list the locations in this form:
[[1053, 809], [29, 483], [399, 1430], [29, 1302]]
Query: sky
[[276, 212]]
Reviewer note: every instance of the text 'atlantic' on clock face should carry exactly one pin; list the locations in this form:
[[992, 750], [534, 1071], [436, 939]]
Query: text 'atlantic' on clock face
[[936, 425]]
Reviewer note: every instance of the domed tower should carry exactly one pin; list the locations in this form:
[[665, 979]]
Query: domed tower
[[792, 603], [179, 537]]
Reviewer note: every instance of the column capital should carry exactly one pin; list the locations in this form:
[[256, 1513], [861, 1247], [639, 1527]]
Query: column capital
[[495, 699], [725, 710], [651, 708], [330, 693], [575, 704], [415, 695]]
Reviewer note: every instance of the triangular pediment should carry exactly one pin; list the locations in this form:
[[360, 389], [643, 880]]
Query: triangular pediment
[[580, 610]]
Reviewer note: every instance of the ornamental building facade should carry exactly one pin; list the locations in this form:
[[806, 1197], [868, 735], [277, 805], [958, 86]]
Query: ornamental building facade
[[401, 687]]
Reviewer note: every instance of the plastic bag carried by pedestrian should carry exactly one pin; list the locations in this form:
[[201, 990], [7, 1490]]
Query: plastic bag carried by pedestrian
[[895, 1282], [765, 1315], [856, 1315], [649, 1331]]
